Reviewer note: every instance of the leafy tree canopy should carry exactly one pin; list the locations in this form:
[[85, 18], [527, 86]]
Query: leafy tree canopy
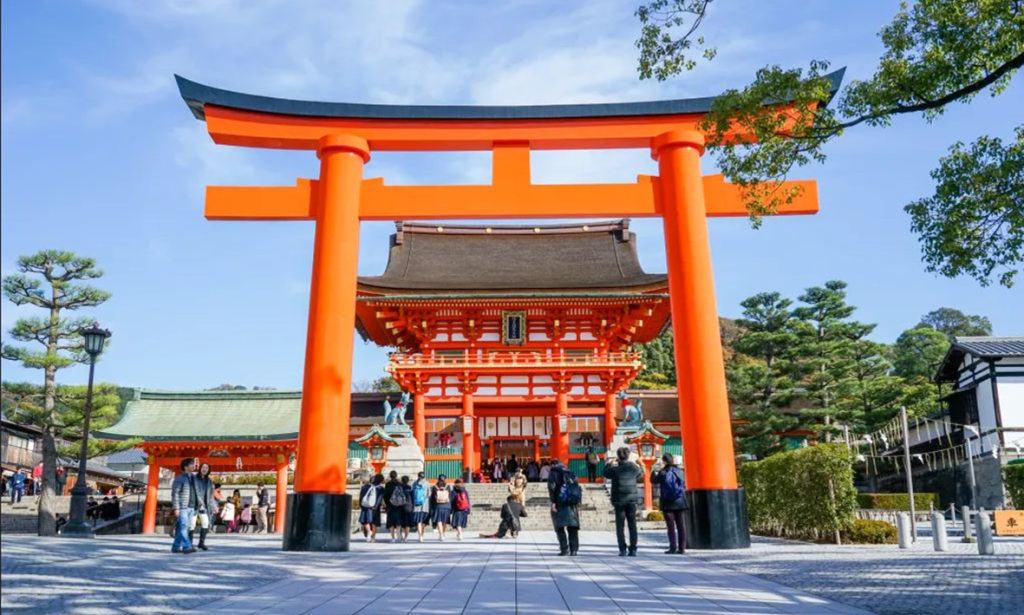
[[937, 52], [955, 323], [918, 351]]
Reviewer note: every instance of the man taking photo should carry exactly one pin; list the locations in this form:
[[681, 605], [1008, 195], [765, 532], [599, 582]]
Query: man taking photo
[[624, 474]]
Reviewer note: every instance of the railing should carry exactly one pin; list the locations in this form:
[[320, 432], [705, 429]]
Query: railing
[[506, 359]]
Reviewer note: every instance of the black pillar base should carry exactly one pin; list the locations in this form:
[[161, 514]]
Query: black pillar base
[[318, 522], [717, 519]]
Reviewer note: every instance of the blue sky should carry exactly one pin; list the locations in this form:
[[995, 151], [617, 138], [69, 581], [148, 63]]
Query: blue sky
[[100, 156]]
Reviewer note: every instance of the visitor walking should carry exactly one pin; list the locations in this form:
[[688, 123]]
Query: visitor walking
[[262, 508], [233, 511], [497, 471], [420, 504], [532, 471], [545, 471], [624, 474], [512, 466], [511, 511], [206, 508], [565, 495], [408, 523], [517, 486], [461, 508], [394, 504], [371, 496], [17, 486], [441, 504], [592, 461], [672, 502], [184, 500]]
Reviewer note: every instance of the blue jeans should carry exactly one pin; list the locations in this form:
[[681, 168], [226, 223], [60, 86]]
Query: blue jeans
[[16, 494], [181, 540]]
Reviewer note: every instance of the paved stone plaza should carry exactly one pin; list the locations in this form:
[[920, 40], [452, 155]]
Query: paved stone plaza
[[243, 574]]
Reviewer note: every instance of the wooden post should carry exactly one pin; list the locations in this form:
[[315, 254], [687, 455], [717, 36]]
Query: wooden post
[[322, 458], [560, 439], [152, 495], [282, 496], [609, 418], [419, 410], [467, 431], [648, 492]]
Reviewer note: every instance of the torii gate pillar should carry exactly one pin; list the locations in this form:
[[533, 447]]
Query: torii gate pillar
[[718, 515], [319, 511]]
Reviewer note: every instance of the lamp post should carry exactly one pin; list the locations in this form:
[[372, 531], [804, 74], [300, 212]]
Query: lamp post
[[377, 442], [94, 338], [648, 442]]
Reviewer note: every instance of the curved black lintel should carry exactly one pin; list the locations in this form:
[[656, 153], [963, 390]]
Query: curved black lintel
[[197, 95]]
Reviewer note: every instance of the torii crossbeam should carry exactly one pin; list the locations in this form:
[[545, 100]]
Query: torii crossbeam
[[343, 135]]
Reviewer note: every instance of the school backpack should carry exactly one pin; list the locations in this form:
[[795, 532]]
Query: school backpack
[[570, 493], [397, 497], [671, 485], [461, 500], [441, 496], [370, 497], [419, 494]]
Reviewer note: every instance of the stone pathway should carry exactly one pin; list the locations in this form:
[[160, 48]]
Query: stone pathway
[[888, 580], [249, 574]]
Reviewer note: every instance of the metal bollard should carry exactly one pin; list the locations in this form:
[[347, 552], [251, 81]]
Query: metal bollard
[[966, 518], [939, 532], [903, 530], [984, 531]]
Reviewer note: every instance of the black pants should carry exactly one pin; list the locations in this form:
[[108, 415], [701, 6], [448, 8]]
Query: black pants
[[504, 528], [202, 535], [676, 527], [625, 514], [591, 472], [570, 543]]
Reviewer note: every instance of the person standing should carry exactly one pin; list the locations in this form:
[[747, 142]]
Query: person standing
[[624, 475], [394, 504], [441, 503], [184, 500], [206, 507], [407, 517], [262, 508], [513, 466], [497, 471], [461, 508], [17, 486], [592, 460], [545, 472], [672, 502], [420, 504], [565, 495], [370, 498]]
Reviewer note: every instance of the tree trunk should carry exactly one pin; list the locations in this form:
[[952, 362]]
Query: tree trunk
[[47, 519]]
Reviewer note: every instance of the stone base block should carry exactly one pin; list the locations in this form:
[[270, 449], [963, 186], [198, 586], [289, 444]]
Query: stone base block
[[318, 522]]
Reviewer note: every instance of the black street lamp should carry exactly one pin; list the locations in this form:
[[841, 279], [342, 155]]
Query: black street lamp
[[76, 527]]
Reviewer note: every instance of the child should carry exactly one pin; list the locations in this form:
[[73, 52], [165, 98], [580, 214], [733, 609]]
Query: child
[[441, 501], [371, 495], [460, 508]]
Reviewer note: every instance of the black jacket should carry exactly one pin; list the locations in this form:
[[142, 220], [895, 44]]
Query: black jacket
[[510, 514], [624, 476]]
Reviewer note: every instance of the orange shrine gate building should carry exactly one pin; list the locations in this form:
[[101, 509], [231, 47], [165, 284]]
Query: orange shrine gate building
[[514, 340]]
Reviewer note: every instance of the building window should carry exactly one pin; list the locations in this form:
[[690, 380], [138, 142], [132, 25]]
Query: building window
[[513, 328], [20, 442]]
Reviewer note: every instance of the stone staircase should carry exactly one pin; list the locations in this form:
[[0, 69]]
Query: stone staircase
[[22, 518], [595, 512]]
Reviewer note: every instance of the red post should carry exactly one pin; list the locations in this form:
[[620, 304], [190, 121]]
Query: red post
[[703, 403], [648, 495], [282, 496], [609, 418], [467, 431], [419, 410], [152, 494], [322, 457], [560, 439]]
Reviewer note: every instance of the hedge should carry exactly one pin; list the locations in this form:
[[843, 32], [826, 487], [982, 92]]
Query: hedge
[[807, 493], [897, 501], [1013, 479], [871, 532]]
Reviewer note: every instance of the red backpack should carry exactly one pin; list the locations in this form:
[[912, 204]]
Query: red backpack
[[461, 500]]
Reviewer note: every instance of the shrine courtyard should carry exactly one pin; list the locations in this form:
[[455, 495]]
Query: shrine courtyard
[[249, 574]]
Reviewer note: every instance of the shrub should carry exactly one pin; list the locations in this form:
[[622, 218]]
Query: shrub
[[655, 515], [1013, 479], [868, 531], [805, 493], [897, 501]]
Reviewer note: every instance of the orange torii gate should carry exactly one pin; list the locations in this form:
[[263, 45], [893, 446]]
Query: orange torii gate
[[343, 136]]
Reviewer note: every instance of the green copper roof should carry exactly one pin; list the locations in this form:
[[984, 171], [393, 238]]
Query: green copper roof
[[209, 415]]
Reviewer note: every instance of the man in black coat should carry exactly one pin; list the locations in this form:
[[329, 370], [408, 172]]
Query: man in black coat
[[624, 475], [510, 514]]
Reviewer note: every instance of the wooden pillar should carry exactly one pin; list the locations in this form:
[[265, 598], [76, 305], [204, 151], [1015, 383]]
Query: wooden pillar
[[322, 458], [536, 450], [152, 495], [648, 495], [282, 496], [419, 411], [560, 437], [704, 407], [467, 431], [609, 418]]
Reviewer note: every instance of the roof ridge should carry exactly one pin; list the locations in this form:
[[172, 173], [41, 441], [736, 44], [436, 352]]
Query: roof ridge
[[601, 226], [989, 338]]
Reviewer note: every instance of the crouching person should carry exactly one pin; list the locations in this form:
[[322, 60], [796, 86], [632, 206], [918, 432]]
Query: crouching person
[[510, 514]]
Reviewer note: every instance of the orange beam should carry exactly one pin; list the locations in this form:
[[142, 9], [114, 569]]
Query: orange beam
[[506, 199]]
